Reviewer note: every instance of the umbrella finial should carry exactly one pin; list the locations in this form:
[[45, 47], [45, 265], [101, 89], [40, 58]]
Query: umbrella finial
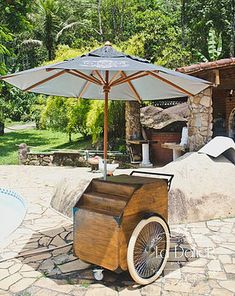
[[108, 43]]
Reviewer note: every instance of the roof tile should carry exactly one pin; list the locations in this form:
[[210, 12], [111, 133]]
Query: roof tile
[[207, 66]]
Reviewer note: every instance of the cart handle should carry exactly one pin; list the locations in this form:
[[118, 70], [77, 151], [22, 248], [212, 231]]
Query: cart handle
[[169, 177]]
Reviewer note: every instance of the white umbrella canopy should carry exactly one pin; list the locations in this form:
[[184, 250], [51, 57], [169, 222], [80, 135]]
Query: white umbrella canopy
[[107, 74], [130, 78]]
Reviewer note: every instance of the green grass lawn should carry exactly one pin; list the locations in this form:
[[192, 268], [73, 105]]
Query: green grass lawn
[[38, 140]]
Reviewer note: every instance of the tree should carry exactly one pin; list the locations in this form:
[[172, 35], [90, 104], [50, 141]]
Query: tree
[[77, 111], [5, 37], [13, 14], [95, 120], [2, 116], [167, 32], [198, 18], [17, 104], [116, 120], [214, 47], [13, 22], [65, 114], [49, 25], [116, 15], [47, 18], [54, 115], [232, 29]]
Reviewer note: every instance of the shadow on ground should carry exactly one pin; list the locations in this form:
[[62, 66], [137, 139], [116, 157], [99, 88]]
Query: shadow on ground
[[11, 140], [50, 252]]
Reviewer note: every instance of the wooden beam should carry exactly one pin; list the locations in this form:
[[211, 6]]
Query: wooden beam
[[216, 77], [155, 75], [52, 69], [8, 76], [132, 88], [45, 80]]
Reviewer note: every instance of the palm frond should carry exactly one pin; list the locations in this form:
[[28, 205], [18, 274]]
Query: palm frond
[[32, 42], [67, 27], [201, 57], [214, 45], [4, 50]]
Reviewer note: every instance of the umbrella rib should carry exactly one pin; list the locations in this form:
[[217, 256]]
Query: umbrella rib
[[87, 83], [155, 75], [121, 79], [114, 77], [101, 78], [44, 80], [113, 83], [132, 88], [84, 76], [130, 77]]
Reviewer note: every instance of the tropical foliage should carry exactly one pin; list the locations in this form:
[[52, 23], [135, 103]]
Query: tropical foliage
[[66, 115], [171, 33], [214, 44]]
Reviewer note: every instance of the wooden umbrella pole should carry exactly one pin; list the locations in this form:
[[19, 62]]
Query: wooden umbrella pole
[[106, 90]]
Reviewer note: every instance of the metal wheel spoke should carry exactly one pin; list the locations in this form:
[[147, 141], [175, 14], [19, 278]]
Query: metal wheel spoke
[[141, 267], [141, 241], [150, 242]]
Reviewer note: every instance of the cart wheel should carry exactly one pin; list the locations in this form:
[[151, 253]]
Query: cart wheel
[[148, 250], [98, 274]]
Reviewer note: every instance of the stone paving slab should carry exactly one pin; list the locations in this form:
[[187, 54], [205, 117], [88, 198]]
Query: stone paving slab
[[37, 259]]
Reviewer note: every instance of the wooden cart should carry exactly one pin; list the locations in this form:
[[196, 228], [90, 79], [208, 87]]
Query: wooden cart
[[121, 223]]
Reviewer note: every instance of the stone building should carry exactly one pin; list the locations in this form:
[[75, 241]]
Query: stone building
[[199, 123], [222, 74], [212, 112]]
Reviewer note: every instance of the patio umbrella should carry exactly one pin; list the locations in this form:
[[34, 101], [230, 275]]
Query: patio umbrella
[[107, 74]]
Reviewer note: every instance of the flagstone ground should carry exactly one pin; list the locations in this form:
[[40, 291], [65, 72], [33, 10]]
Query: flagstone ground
[[37, 259]]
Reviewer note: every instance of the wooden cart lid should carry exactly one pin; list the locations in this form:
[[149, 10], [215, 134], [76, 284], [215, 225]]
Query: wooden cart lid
[[133, 180]]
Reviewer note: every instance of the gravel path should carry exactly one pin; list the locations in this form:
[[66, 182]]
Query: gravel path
[[19, 127]]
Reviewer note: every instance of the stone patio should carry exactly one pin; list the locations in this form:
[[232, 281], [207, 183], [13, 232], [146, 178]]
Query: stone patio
[[37, 258]]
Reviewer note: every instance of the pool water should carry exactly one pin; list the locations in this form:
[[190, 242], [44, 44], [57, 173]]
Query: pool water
[[12, 212]]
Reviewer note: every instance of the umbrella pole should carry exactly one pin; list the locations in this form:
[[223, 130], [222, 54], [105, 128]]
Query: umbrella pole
[[106, 89]]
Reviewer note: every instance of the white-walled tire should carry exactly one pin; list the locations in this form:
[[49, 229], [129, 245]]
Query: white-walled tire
[[148, 250]]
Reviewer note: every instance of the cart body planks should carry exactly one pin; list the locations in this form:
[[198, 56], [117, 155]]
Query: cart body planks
[[107, 213]]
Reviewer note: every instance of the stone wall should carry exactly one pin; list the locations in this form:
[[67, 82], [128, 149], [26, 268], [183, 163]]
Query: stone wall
[[50, 158], [132, 116], [200, 119], [64, 158], [44, 159]]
